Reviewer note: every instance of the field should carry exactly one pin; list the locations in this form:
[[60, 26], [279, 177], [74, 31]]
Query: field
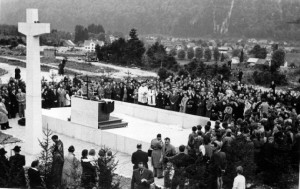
[[2, 72], [89, 67], [54, 62], [293, 58], [183, 62], [23, 65]]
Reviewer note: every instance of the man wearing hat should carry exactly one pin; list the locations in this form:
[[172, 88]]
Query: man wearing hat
[[142, 178], [139, 156], [4, 167], [17, 173]]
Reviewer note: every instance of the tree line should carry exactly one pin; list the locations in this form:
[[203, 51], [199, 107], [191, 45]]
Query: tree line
[[133, 52], [84, 33]]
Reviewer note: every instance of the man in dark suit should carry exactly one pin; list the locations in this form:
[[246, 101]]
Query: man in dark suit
[[17, 173], [34, 175], [218, 166], [139, 156], [4, 167], [180, 161], [142, 178], [17, 73], [58, 161]]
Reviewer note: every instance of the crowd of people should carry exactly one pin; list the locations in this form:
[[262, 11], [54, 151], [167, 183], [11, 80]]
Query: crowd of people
[[267, 119], [65, 172], [271, 144]]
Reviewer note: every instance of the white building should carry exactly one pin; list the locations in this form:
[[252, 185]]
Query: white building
[[224, 49], [89, 45]]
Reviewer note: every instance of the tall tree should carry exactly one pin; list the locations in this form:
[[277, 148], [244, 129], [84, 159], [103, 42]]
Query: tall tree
[[242, 56], [133, 34], [173, 52], [98, 51], [222, 57], [135, 49], [78, 33], [156, 53], [278, 59], [190, 53], [216, 54], [96, 29], [259, 52], [207, 54], [181, 54], [262, 54], [85, 34], [236, 53], [199, 53], [274, 47], [192, 66]]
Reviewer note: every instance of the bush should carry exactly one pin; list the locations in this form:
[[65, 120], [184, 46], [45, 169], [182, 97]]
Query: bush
[[170, 63], [181, 54], [278, 59], [163, 73], [265, 78], [207, 54], [45, 156], [225, 71], [173, 52], [183, 72], [190, 53], [106, 172], [293, 65], [199, 53], [3, 72]]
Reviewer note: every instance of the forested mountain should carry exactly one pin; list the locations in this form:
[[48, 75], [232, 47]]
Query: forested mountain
[[185, 18]]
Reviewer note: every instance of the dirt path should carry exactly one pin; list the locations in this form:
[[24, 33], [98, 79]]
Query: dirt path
[[122, 71]]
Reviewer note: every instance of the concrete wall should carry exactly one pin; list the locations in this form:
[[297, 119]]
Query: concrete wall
[[95, 136], [168, 117]]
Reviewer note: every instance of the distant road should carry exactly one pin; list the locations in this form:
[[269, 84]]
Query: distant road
[[122, 70], [121, 74]]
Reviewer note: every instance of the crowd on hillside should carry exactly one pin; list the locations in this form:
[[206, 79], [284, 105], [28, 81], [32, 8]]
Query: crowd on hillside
[[268, 120]]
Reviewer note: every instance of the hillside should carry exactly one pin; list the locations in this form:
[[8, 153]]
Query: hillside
[[186, 18]]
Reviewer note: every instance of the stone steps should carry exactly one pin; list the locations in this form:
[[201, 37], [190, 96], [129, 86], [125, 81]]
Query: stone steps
[[112, 123]]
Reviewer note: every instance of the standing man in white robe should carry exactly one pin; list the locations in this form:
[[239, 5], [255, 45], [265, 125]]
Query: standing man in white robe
[[142, 94], [152, 96]]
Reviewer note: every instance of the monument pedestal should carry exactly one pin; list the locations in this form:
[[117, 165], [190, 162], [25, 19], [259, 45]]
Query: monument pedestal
[[95, 114]]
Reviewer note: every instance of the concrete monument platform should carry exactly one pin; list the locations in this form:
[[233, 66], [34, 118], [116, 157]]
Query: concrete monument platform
[[140, 128], [95, 114], [118, 139]]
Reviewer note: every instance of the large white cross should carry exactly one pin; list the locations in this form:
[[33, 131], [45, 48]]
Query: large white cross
[[33, 114]]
